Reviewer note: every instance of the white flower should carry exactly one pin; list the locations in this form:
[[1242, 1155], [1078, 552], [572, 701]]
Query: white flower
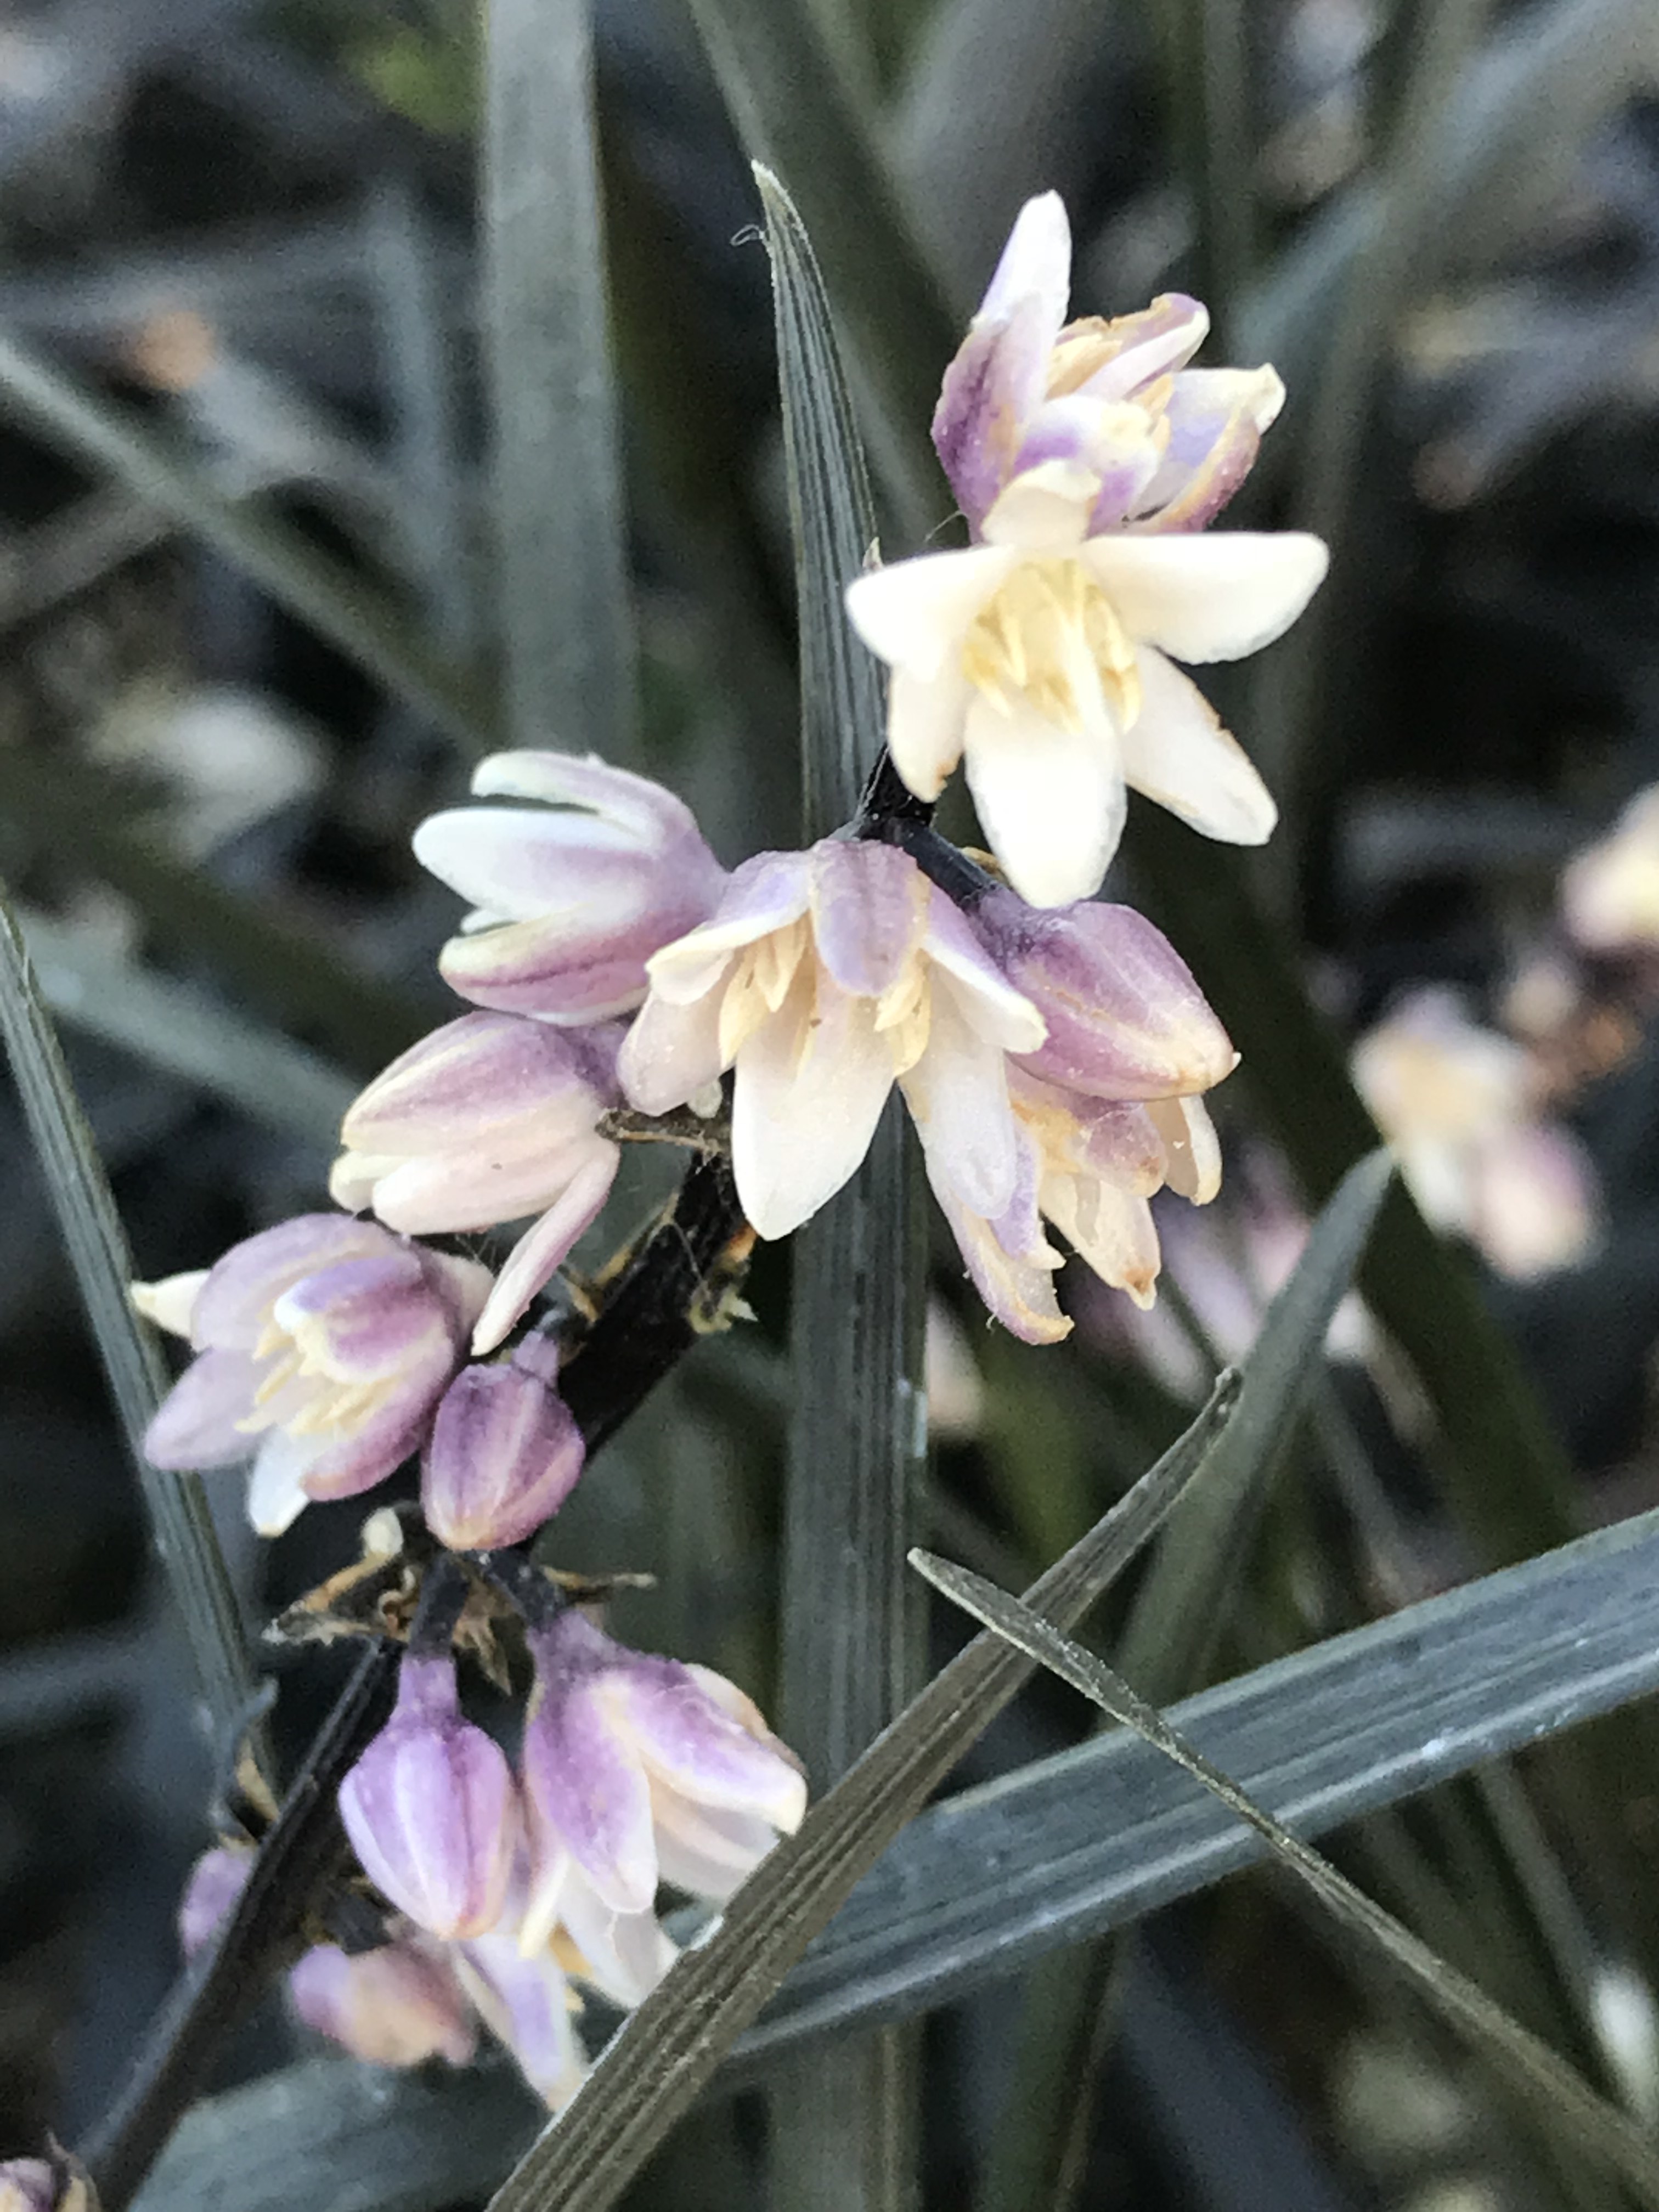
[[1044, 655], [822, 977]]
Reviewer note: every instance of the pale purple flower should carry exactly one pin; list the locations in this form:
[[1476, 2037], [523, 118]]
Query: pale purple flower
[[638, 1769], [491, 1119], [1167, 445], [1460, 1107], [214, 1882], [822, 977], [322, 1347], [504, 1454], [398, 2005], [570, 898], [432, 1810], [1045, 656]]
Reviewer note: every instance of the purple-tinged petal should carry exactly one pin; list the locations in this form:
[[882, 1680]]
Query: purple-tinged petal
[[546, 1245], [701, 1737], [585, 1790], [766, 893], [431, 1810], [1111, 360], [648, 814], [196, 1426], [474, 1074], [27, 2185], [1036, 264], [527, 2005], [236, 1301], [362, 1321], [995, 1008], [541, 967], [1125, 1017], [990, 390], [1016, 1282], [396, 2006], [505, 1455], [869, 907]]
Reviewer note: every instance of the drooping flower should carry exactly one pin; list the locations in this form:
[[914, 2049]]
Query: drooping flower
[[323, 1346], [1044, 654], [573, 896], [505, 1454], [1169, 444], [1459, 1106], [432, 1810], [638, 1769], [398, 2005], [490, 1118], [822, 977], [1108, 1108]]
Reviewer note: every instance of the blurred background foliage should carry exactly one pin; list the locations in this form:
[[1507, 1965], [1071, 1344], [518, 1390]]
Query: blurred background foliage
[[250, 630]]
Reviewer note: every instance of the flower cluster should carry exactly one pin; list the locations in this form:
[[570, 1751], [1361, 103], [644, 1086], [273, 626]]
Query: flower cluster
[[1054, 1053]]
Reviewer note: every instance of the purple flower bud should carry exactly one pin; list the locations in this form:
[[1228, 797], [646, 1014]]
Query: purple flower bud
[[396, 2006], [215, 1881], [1125, 1019], [571, 898], [505, 1455], [431, 1810]]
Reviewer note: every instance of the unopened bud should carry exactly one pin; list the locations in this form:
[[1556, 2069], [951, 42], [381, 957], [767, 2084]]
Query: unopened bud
[[431, 1808], [505, 1455], [215, 1881]]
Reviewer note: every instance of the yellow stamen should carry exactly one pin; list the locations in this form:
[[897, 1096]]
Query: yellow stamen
[[1024, 643]]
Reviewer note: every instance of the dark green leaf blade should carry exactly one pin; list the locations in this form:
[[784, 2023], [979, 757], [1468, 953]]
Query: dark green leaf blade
[[843, 2128], [81, 1195], [1530, 2065]]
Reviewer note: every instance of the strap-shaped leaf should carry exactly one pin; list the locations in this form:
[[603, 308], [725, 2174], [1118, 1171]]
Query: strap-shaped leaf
[[671, 2047], [567, 628], [81, 1196], [1530, 2066], [341, 607], [843, 2129]]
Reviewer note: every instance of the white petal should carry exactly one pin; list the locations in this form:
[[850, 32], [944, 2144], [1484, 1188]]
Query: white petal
[[1177, 753], [958, 1094], [671, 1052], [1110, 1230], [805, 1105], [275, 1492], [1214, 595], [1036, 261], [985, 996], [765, 894], [1045, 509], [1191, 1149], [924, 717], [172, 1302], [546, 1246], [1051, 801], [914, 614]]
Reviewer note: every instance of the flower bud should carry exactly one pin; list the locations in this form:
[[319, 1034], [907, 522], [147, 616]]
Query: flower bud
[[1125, 1019], [431, 1810], [505, 1455], [215, 1881], [396, 2006], [27, 2185]]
